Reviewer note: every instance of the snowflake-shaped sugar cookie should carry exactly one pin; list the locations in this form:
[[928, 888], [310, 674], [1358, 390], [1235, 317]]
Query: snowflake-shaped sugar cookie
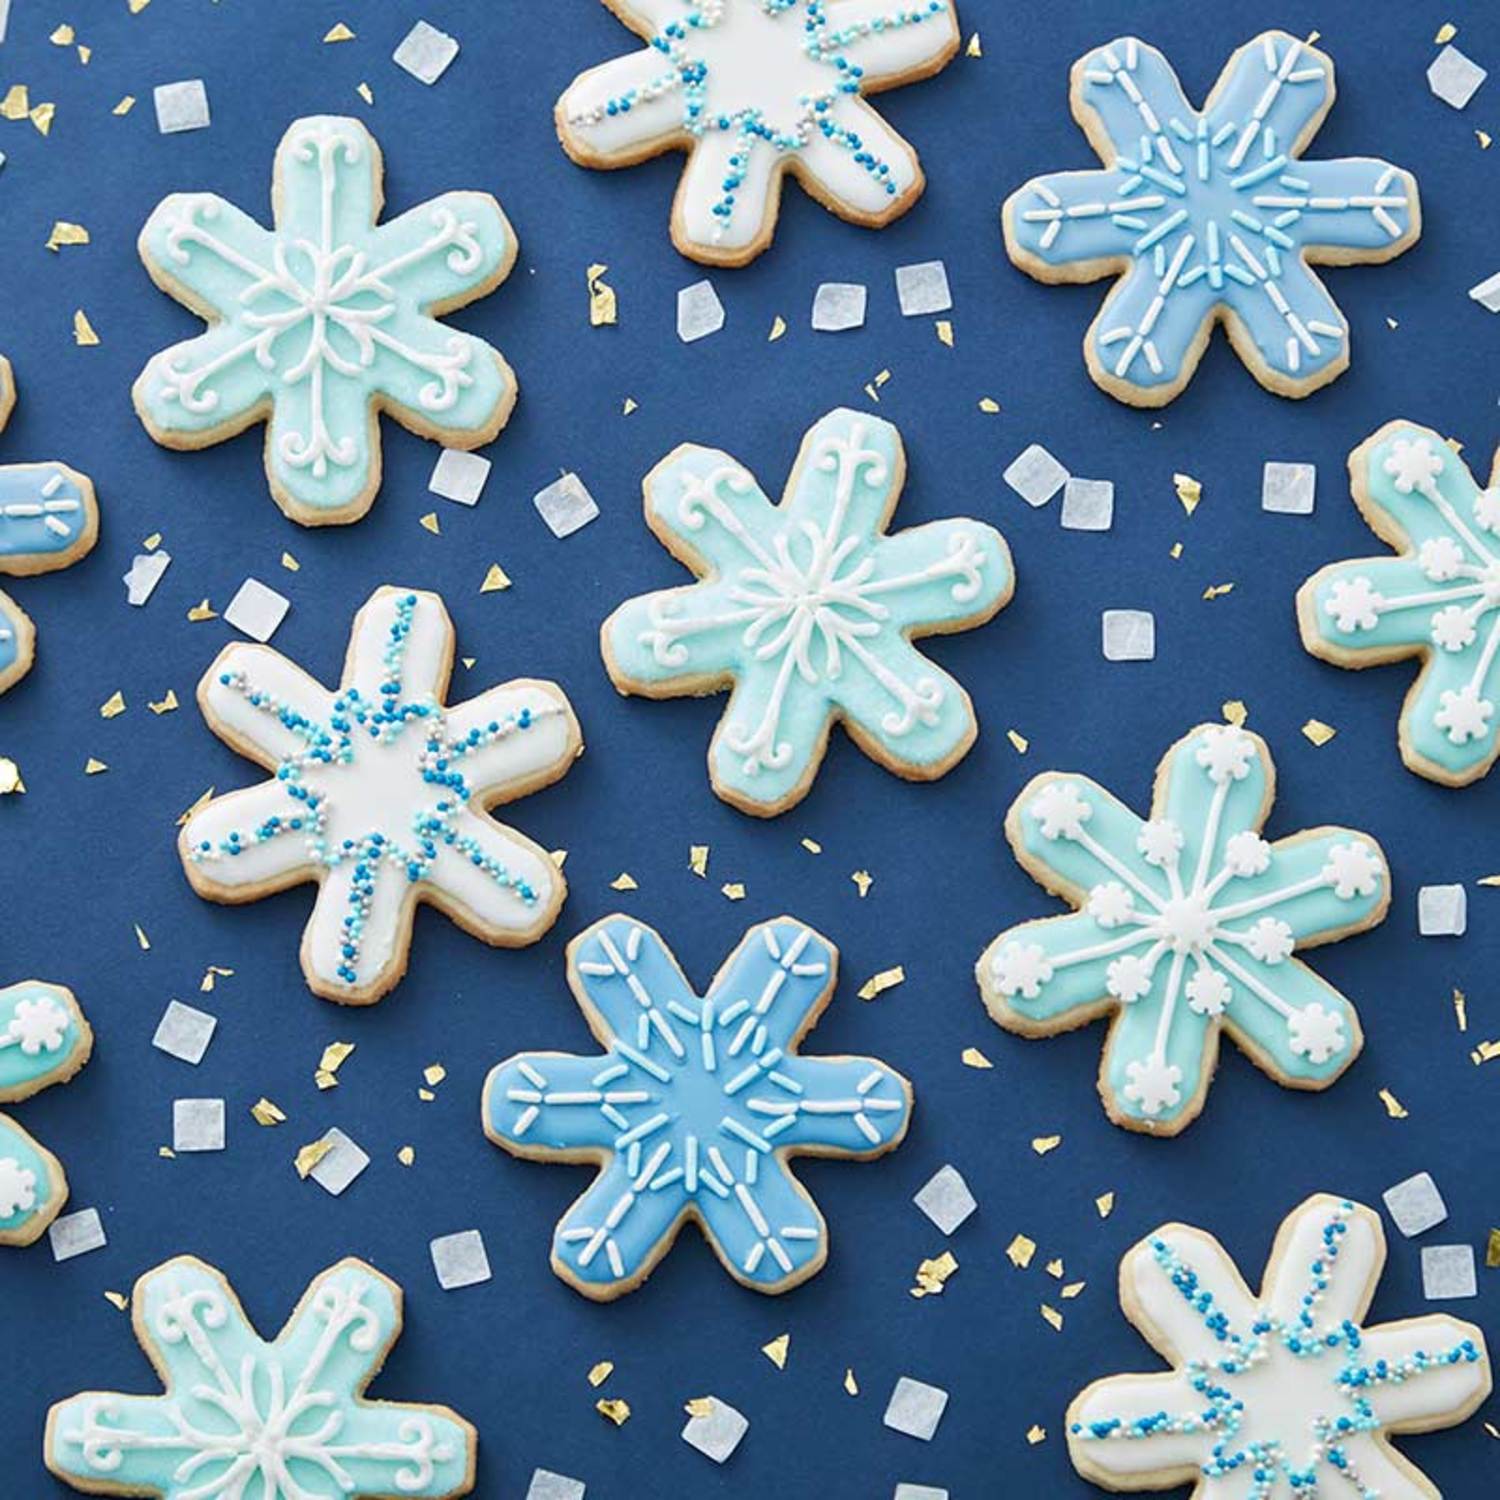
[[1210, 217], [1283, 1395], [753, 89], [48, 520], [378, 793], [1186, 923], [695, 1106], [808, 610], [321, 323], [1439, 600], [243, 1418], [44, 1039]]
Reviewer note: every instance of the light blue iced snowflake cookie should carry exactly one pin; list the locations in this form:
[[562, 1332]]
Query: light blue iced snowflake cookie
[[1281, 1394], [808, 610], [1186, 924], [48, 520], [44, 1039], [1439, 600], [1210, 217], [246, 1419], [323, 322], [695, 1107]]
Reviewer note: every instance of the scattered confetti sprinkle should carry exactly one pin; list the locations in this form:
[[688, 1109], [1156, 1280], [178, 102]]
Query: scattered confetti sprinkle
[[166, 705], [495, 580], [407, 1156], [1035, 1435], [604, 309], [10, 777], [1492, 1250], [1052, 1317], [1218, 590], [601, 1372], [863, 880], [734, 890], [812, 846], [1189, 491], [311, 1154], [338, 32], [1105, 1203], [616, 1410], [1393, 1106], [430, 522], [1042, 1144], [1073, 1288], [1318, 732], [776, 1350], [974, 1058], [932, 1275], [974, 49], [64, 233], [141, 938], [83, 331], [93, 767], [264, 1112], [944, 329], [1018, 740], [698, 859], [778, 327], [365, 92], [877, 984], [126, 104], [113, 706], [1020, 1250], [988, 405], [624, 881], [1235, 713], [202, 611], [627, 406], [118, 1300], [434, 1073], [851, 1385], [1461, 1009]]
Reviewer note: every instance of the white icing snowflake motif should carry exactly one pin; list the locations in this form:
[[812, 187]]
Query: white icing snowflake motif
[[810, 609], [246, 1419], [695, 1106], [1186, 923], [1439, 600], [1210, 215], [379, 793], [753, 88], [1283, 1397], [330, 317]]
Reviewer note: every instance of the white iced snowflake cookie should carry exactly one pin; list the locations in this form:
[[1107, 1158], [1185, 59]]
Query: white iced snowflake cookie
[[752, 90], [1184, 926], [379, 793], [324, 321], [1287, 1393]]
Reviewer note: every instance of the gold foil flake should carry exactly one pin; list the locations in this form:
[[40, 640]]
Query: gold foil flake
[[17, 103], [42, 116], [812, 846], [776, 1350], [126, 104], [1052, 1317], [698, 859], [974, 1058], [932, 1275], [1189, 491], [1492, 1250], [365, 92], [64, 36], [1176, 551], [166, 705], [407, 1156], [872, 389], [166, 1153], [1020, 1250], [211, 976], [1018, 741], [335, 1055], [1073, 1288], [1445, 33], [434, 1073], [604, 311], [1484, 138], [152, 542], [734, 890], [1485, 1052], [1042, 1144], [1036, 1434], [624, 881], [1318, 732], [202, 611], [495, 580], [877, 984], [863, 880], [310, 1155], [325, 1080], [290, 563], [944, 329], [616, 1410], [1490, 880], [778, 327], [10, 777], [851, 1385], [1461, 1009], [264, 1112], [66, 233], [117, 1300], [429, 522], [1218, 590], [1235, 713], [1393, 1106], [84, 54], [338, 32], [988, 405], [1105, 1203], [197, 807], [974, 49], [137, 6], [426, 1095], [601, 1372], [141, 938], [92, 767], [1054, 1269], [699, 1406], [113, 706], [83, 331]]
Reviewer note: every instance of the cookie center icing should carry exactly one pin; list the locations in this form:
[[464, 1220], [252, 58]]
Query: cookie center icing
[[754, 65], [1188, 923]]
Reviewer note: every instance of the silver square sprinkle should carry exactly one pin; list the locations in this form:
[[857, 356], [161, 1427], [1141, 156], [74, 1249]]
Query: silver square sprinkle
[[916, 1408], [565, 505], [181, 106], [838, 306], [343, 1163], [545, 1485], [1448, 1272], [919, 1492], [1442, 910], [1288, 489], [460, 1259], [1128, 634], [197, 1125], [718, 1434], [1454, 78], [146, 570], [1487, 293], [1088, 504], [76, 1234], [923, 289], [1035, 475], [946, 1199], [184, 1032], [459, 476], [1415, 1205], [425, 52], [699, 311], [257, 610]]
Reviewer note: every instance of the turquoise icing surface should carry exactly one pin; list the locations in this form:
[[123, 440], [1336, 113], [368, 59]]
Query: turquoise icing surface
[[1439, 599], [241, 1416], [1212, 210], [694, 1105], [316, 319], [25, 1178], [42, 510], [807, 607], [1188, 922]]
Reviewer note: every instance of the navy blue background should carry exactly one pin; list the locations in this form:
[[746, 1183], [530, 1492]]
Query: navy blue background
[[88, 857]]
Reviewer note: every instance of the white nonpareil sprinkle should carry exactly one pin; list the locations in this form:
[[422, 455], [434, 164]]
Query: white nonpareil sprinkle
[[1448, 1272], [425, 52], [76, 1234], [1288, 489], [145, 573], [257, 610], [197, 1125], [1415, 1205], [565, 505], [459, 476], [181, 106], [1035, 475], [922, 289], [1487, 293], [1455, 78], [460, 1260], [946, 1199], [699, 312], [342, 1164], [839, 306], [1128, 634], [916, 1408], [718, 1434], [545, 1485], [184, 1032], [1442, 910], [1088, 504]]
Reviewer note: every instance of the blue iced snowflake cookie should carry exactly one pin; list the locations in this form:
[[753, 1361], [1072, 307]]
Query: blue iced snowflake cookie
[[44, 1039], [1282, 1393], [752, 90], [321, 323], [48, 520], [1210, 217], [243, 1417], [1439, 600], [695, 1107], [1185, 925], [808, 610]]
